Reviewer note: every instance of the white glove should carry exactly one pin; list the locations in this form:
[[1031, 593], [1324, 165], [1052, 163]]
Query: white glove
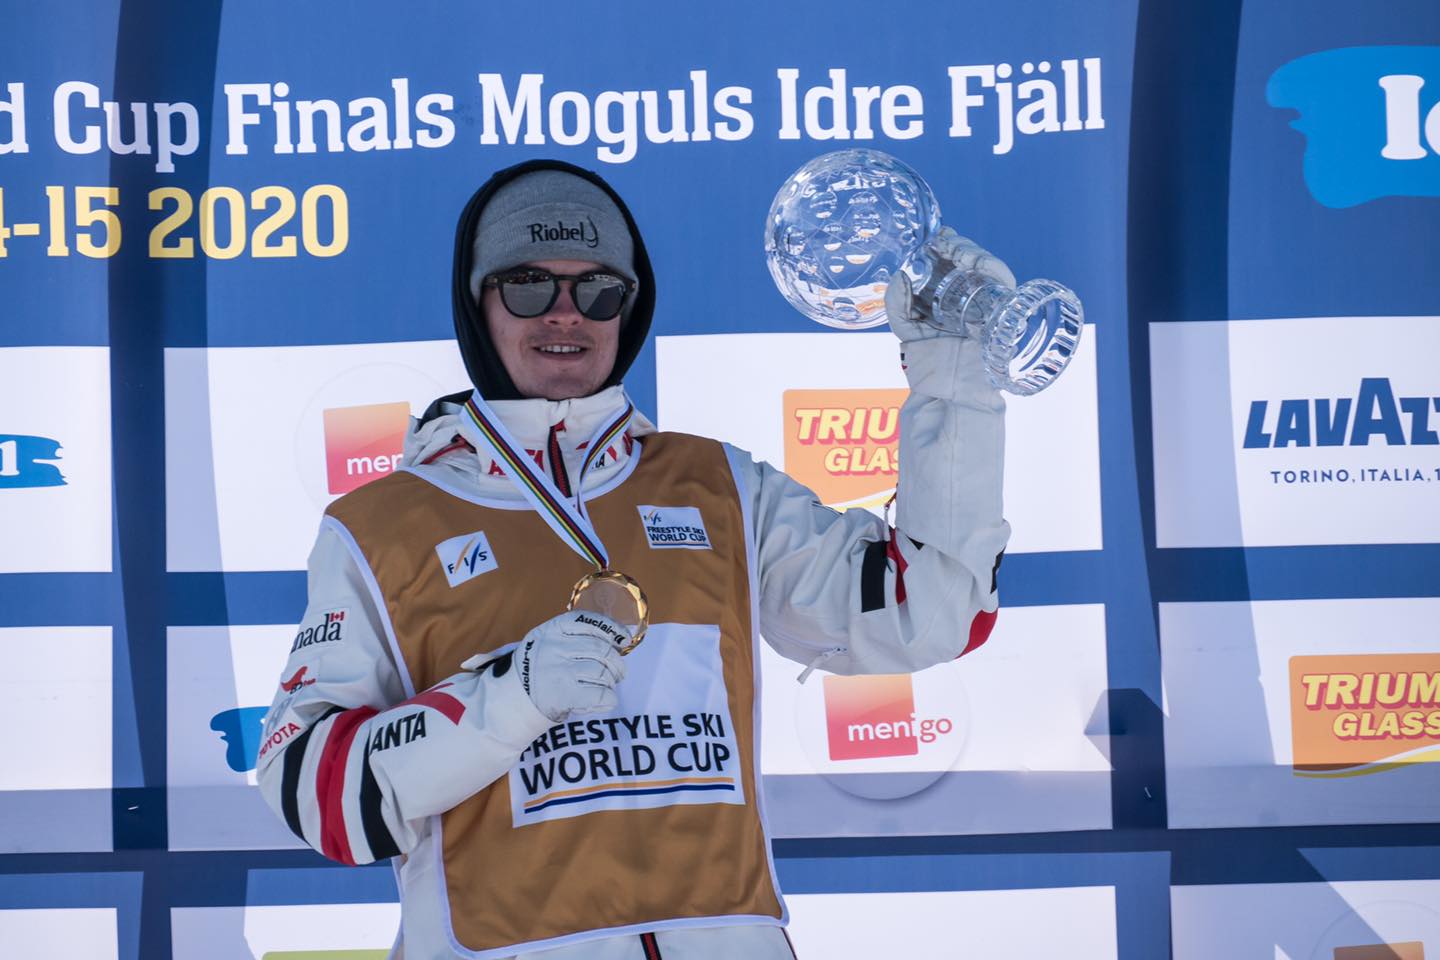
[[938, 364], [965, 254], [571, 664]]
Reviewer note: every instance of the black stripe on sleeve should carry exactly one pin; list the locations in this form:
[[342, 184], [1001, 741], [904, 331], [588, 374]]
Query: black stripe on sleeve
[[290, 780], [872, 577], [377, 835], [500, 665]]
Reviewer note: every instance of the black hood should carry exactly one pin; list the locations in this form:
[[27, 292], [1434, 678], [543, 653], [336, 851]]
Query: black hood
[[483, 363]]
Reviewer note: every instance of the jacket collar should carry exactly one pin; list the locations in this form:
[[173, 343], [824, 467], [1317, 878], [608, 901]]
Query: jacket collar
[[432, 443]]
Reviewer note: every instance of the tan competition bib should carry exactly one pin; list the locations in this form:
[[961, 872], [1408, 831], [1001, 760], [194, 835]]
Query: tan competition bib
[[634, 818]]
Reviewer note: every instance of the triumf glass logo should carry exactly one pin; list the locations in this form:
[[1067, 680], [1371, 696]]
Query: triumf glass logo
[[1354, 714], [844, 444], [362, 443]]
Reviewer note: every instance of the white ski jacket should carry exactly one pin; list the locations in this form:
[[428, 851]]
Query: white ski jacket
[[837, 591]]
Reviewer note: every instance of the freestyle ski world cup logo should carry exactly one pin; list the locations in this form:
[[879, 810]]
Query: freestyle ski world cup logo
[[362, 443], [844, 444], [1357, 714]]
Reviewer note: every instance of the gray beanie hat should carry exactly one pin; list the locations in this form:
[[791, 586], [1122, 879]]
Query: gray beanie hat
[[549, 215]]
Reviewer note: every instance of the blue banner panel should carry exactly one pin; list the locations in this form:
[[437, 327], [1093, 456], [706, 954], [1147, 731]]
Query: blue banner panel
[[1335, 169]]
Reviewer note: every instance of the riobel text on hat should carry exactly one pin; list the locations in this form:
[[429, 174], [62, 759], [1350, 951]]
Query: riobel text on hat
[[582, 230]]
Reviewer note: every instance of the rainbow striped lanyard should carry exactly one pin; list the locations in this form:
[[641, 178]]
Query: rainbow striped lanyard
[[567, 517]]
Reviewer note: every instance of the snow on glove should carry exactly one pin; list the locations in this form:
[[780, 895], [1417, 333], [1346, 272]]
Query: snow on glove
[[571, 663]]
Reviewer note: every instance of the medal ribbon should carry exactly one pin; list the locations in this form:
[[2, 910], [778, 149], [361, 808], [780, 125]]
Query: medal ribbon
[[567, 518]]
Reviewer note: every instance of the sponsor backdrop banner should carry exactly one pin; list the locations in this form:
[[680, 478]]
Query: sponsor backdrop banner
[[225, 249]]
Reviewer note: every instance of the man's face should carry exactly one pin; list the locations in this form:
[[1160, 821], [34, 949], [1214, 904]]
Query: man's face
[[558, 355]]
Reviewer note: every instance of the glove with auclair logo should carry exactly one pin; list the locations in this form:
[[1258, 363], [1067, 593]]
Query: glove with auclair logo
[[571, 663]]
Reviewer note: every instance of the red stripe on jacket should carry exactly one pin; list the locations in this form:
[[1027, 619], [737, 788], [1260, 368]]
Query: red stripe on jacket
[[980, 629], [892, 550], [330, 784], [451, 707]]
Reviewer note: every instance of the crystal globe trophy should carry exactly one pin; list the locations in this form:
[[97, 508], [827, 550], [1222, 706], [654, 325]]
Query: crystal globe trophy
[[847, 222]]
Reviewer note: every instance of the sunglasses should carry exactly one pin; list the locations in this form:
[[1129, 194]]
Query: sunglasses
[[531, 292]]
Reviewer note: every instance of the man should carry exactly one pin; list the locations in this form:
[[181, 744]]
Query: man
[[541, 792]]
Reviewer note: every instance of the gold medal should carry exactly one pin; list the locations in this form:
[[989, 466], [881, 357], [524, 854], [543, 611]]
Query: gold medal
[[617, 596]]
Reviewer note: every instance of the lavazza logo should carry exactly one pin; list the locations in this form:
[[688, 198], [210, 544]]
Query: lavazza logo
[[1374, 418]]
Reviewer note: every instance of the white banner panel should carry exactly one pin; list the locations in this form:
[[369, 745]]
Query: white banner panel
[[1077, 923], [1301, 711], [221, 681], [68, 933], [1287, 432], [1019, 727], [259, 440], [333, 931], [819, 405], [1351, 920], [55, 699], [55, 460]]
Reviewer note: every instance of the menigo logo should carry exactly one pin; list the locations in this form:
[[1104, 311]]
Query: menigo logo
[[364, 442], [1374, 416], [844, 444], [1356, 714], [23, 462], [1411, 950], [1371, 117], [875, 716]]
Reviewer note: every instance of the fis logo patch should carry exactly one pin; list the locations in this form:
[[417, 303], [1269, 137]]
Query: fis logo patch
[[328, 627], [465, 557], [674, 528]]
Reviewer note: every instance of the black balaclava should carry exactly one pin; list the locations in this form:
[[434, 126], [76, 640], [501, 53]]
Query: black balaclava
[[482, 361]]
